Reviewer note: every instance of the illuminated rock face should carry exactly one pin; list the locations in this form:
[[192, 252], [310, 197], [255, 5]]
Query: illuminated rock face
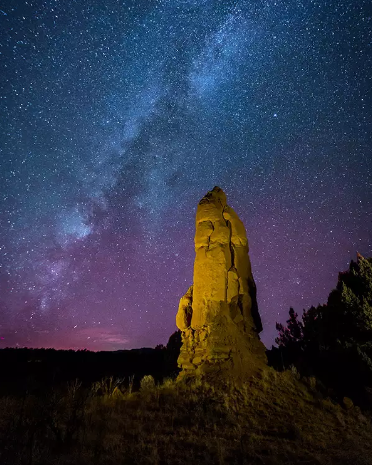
[[218, 315]]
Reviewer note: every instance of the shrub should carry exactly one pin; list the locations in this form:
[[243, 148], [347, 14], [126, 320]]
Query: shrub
[[147, 383]]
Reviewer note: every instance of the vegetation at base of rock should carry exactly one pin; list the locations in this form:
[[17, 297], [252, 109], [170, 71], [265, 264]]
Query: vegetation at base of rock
[[147, 383], [334, 341], [273, 419]]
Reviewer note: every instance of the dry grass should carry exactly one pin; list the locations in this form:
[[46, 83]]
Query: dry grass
[[276, 419]]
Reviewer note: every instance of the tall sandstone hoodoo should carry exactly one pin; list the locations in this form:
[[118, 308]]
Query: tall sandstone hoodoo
[[218, 315]]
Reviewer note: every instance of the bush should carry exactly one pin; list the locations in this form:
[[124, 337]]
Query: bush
[[147, 383]]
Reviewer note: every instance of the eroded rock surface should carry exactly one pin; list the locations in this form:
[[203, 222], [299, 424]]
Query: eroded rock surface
[[218, 315]]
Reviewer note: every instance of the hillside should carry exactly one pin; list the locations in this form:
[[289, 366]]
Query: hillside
[[274, 419]]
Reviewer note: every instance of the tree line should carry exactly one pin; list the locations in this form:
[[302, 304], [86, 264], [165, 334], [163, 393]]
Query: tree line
[[334, 341]]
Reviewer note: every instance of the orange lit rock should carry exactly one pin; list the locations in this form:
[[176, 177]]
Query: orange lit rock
[[218, 315], [184, 314]]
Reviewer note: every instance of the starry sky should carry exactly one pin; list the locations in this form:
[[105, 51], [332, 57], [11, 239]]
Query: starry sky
[[116, 117]]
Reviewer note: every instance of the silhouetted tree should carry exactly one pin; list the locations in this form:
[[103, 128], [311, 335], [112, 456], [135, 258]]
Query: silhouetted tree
[[335, 340], [292, 334]]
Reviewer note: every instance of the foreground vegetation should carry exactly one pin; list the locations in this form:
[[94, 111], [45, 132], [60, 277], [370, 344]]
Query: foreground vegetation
[[274, 419]]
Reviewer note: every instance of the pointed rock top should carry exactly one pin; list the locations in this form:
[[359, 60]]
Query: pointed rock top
[[216, 195]]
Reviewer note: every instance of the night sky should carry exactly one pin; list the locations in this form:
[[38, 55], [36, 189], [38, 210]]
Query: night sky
[[118, 116]]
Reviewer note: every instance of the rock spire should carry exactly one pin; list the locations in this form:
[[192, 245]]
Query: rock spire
[[218, 315]]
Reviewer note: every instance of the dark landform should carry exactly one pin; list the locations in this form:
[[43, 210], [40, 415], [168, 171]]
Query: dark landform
[[25, 370]]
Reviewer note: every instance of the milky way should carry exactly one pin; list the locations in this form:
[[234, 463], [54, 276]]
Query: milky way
[[118, 116]]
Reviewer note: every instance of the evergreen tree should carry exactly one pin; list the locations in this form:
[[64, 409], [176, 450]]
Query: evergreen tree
[[292, 335], [335, 339], [350, 304]]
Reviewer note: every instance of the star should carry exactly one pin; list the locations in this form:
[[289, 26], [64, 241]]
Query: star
[[119, 116]]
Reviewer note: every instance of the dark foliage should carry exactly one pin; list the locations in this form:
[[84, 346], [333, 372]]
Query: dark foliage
[[27, 370], [334, 341]]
